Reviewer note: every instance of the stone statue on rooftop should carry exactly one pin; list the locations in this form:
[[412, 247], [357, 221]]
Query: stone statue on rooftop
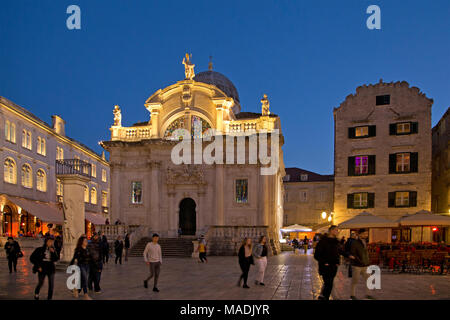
[[188, 67], [265, 105], [117, 116]]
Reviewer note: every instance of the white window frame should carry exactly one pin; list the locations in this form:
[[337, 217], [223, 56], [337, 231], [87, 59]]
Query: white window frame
[[360, 200]]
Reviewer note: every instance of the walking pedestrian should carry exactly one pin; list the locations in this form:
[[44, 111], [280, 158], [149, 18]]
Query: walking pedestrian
[[328, 252], [347, 248], [58, 244], [105, 249], [245, 260], [306, 244], [96, 264], [202, 249], [153, 258], [13, 252], [295, 244], [360, 262], [118, 248], [43, 260], [260, 254], [127, 246], [81, 258]]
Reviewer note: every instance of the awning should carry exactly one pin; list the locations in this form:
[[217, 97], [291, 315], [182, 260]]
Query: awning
[[45, 211], [296, 228], [94, 218], [367, 220], [425, 218]]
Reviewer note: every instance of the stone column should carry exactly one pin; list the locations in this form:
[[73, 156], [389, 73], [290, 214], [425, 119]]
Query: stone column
[[155, 123], [115, 189], [220, 220], [74, 214], [219, 118]]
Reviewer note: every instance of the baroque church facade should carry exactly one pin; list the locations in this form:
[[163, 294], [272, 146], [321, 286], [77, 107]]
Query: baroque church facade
[[199, 166]]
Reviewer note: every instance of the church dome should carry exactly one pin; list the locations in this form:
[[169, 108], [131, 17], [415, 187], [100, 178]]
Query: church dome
[[220, 81]]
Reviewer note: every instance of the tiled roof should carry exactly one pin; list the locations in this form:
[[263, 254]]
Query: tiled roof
[[295, 174]]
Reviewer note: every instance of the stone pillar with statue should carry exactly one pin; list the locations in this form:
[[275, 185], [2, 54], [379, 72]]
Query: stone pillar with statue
[[74, 214]]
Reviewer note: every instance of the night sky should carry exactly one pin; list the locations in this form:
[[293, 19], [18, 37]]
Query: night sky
[[306, 55]]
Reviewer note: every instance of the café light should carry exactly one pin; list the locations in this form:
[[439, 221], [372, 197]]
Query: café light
[[329, 219], [324, 215], [434, 229]]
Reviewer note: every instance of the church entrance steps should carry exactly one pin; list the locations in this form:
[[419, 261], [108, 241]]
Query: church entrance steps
[[170, 247]]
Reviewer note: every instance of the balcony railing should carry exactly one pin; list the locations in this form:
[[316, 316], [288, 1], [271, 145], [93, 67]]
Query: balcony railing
[[73, 166]]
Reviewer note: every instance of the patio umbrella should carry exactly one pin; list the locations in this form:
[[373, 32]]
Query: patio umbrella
[[425, 218], [367, 220], [296, 228]]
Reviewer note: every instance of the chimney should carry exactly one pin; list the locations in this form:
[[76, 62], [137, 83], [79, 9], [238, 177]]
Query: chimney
[[58, 125]]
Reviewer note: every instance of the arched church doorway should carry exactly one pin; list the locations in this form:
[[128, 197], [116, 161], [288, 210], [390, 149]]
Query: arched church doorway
[[187, 218]]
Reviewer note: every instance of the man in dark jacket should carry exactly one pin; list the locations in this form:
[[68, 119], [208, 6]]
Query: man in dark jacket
[[12, 249], [327, 254], [347, 247], [96, 263], [360, 262], [127, 246], [118, 248], [105, 249], [43, 260]]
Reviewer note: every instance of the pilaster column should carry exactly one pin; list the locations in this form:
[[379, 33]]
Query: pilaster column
[[219, 118], [155, 212], [154, 109], [220, 220]]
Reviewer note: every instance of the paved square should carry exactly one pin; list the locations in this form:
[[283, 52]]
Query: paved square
[[288, 276]]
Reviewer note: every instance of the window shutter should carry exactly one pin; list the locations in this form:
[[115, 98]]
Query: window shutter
[[372, 164], [414, 157], [351, 133], [413, 198], [371, 200], [350, 200], [414, 127], [391, 199], [392, 163], [392, 129], [372, 131], [351, 166]]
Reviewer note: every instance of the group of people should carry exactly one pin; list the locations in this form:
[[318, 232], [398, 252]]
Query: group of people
[[253, 255], [328, 254], [304, 243]]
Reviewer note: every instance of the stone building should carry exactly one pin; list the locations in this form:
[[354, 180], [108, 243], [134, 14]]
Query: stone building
[[306, 196], [224, 199], [441, 165], [383, 153], [29, 189]]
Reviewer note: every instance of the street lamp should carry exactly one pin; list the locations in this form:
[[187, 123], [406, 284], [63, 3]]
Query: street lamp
[[324, 215]]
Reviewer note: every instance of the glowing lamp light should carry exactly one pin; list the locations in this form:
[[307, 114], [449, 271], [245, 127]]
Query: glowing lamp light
[[3, 206], [329, 219], [434, 229], [324, 215], [19, 209]]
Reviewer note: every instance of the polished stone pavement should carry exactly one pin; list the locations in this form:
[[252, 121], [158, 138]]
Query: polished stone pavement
[[288, 276]]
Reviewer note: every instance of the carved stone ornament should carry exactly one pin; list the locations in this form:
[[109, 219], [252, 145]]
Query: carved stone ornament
[[185, 174]]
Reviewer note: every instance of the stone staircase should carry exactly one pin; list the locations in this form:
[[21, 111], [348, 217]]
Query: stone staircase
[[171, 247]]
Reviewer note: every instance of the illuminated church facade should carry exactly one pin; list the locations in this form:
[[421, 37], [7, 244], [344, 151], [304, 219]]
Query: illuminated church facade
[[238, 194]]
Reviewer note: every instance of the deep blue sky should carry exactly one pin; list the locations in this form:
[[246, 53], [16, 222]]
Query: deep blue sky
[[306, 55]]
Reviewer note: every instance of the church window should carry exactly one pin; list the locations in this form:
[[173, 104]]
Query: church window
[[136, 192], [177, 124], [241, 190], [198, 127]]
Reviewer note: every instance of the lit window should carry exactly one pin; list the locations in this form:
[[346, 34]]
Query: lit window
[[24, 138], [241, 190], [403, 127], [77, 164], [401, 199], [361, 131], [41, 181], [59, 153], [59, 188], [28, 139], [103, 175], [13, 133], [94, 196], [360, 200], [362, 165], [9, 171], [402, 163], [304, 177], [41, 146], [94, 170], [86, 194], [27, 178], [104, 199], [136, 192], [7, 131]]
